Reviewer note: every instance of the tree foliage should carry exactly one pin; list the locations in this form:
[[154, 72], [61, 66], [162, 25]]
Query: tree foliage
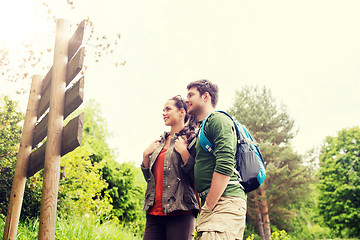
[[258, 110], [125, 190], [80, 190], [286, 176], [339, 199], [10, 130], [95, 183], [10, 134]]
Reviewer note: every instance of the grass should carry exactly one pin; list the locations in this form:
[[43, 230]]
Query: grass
[[76, 228]]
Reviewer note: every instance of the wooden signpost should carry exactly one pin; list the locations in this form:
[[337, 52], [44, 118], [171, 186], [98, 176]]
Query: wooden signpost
[[49, 104]]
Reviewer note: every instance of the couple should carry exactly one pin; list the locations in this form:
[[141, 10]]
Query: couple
[[174, 170]]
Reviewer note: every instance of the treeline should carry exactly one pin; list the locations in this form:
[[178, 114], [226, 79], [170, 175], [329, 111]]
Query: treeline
[[315, 196]]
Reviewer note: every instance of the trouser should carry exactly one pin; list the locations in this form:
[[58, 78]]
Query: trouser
[[225, 222], [169, 227]]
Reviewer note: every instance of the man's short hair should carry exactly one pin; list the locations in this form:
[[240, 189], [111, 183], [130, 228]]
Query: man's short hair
[[204, 86]]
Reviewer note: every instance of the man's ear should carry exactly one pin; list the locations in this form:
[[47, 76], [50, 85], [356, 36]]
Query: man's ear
[[207, 97]]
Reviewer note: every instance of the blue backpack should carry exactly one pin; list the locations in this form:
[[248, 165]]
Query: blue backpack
[[249, 167]]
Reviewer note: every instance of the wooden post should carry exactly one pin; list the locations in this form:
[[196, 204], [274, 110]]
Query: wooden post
[[54, 136], [17, 191]]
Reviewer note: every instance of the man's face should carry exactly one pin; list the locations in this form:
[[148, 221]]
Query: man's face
[[194, 101]]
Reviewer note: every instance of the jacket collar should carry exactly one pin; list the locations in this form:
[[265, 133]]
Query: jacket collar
[[166, 134]]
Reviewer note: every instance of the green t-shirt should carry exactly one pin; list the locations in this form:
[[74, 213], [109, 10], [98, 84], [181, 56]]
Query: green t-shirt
[[220, 131]]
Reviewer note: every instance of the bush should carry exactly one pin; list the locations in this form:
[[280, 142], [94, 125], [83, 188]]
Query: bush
[[281, 235]]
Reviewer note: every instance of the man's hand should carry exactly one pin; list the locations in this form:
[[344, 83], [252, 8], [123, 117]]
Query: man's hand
[[217, 188]]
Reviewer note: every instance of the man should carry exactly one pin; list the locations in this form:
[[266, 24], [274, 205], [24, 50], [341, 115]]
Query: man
[[222, 198]]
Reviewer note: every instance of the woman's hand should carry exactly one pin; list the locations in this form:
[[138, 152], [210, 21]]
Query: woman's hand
[[148, 151], [181, 147]]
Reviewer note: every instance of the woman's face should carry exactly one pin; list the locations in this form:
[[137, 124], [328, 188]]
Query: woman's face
[[171, 114]]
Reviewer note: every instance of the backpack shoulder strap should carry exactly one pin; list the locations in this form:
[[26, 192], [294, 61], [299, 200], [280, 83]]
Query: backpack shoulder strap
[[225, 114], [204, 142]]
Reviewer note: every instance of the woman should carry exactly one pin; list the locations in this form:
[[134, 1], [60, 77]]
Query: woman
[[170, 199]]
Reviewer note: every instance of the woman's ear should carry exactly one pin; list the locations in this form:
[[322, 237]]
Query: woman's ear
[[183, 112]]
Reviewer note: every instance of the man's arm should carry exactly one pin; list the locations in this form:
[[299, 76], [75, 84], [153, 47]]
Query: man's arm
[[218, 186], [224, 141]]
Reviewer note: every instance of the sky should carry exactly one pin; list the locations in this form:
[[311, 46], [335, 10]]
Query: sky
[[306, 52]]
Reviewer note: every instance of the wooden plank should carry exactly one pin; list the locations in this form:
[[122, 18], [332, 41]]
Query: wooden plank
[[72, 138], [74, 96], [40, 131], [46, 82], [44, 102], [18, 186], [75, 65], [36, 161], [73, 68], [76, 40], [72, 134]]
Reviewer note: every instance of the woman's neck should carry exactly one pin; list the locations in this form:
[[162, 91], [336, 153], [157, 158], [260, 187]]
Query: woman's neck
[[175, 129]]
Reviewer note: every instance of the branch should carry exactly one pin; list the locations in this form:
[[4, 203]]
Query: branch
[[288, 180], [251, 208], [275, 199], [254, 200], [249, 213]]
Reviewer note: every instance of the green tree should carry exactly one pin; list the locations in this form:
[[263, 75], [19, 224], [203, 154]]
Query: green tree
[[286, 177], [339, 199], [120, 178], [81, 188], [81, 191], [96, 183], [127, 192], [10, 130], [307, 224], [10, 134]]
